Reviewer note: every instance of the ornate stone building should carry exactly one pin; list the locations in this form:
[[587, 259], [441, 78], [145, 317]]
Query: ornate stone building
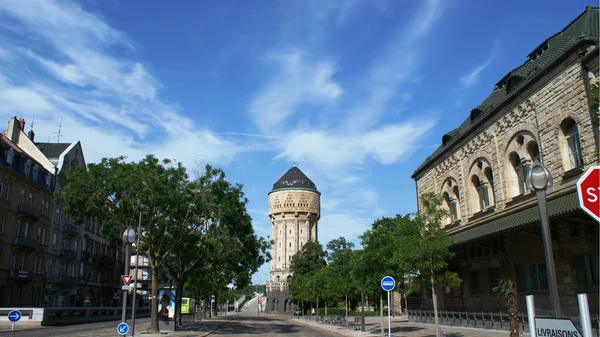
[[294, 211], [542, 111]]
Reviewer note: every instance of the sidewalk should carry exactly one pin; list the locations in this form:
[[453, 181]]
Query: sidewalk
[[401, 327]]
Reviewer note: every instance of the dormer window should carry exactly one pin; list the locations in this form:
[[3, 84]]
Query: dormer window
[[36, 170], [48, 181], [10, 155], [27, 168]]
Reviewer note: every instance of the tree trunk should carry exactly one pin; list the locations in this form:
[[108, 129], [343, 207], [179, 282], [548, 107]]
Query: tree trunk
[[434, 298], [513, 314], [346, 311], [154, 312], [178, 296], [405, 304], [381, 314]]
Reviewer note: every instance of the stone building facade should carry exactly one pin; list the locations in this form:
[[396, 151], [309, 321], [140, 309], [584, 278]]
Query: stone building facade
[[539, 111], [294, 211], [68, 264]]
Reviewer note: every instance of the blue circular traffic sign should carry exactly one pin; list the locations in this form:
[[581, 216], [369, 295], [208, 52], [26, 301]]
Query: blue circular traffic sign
[[14, 315], [123, 328], [388, 283]]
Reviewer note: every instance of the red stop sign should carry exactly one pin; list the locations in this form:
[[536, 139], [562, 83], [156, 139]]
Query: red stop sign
[[588, 191]]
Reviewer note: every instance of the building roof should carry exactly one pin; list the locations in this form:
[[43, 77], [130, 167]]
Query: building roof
[[556, 207], [52, 150], [584, 28], [294, 179]]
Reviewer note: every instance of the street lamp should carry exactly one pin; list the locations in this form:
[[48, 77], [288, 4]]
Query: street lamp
[[128, 238], [538, 181]]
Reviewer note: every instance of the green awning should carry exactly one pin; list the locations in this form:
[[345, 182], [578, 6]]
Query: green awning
[[559, 206]]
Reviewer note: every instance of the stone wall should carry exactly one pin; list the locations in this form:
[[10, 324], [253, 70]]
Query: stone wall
[[294, 216], [532, 118]]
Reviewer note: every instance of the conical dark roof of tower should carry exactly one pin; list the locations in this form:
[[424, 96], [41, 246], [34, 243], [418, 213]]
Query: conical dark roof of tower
[[294, 179]]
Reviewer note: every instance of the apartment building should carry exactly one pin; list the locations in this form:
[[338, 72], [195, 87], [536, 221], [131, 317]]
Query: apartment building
[[541, 110], [82, 267], [25, 202]]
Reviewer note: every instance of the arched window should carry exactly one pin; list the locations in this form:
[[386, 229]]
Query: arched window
[[451, 200], [570, 145], [489, 176], [482, 192], [517, 173]]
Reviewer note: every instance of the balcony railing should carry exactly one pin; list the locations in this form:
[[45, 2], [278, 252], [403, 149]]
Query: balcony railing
[[25, 242], [29, 210], [70, 254], [103, 259], [68, 280], [23, 275], [71, 230]]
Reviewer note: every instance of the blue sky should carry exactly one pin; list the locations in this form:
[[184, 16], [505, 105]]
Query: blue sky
[[357, 92]]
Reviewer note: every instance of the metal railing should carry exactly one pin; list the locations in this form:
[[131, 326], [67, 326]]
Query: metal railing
[[70, 254], [25, 242], [74, 315], [71, 229], [24, 275], [27, 209]]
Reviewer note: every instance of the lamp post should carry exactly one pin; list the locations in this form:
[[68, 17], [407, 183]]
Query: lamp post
[[128, 239], [135, 275], [538, 181]]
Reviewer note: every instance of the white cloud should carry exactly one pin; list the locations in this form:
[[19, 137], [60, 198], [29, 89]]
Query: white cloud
[[336, 152], [471, 77], [340, 153], [299, 81], [110, 102]]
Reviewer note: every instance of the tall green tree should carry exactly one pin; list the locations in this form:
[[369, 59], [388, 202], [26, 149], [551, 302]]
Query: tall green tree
[[115, 192], [340, 269], [430, 247], [385, 252], [211, 226], [306, 263]]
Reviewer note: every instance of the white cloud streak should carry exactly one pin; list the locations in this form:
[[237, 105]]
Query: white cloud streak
[[472, 77], [110, 100], [299, 81], [364, 131]]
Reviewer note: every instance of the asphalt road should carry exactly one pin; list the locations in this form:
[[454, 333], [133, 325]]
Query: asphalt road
[[234, 325]]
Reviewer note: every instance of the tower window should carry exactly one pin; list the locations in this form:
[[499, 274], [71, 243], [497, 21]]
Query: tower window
[[290, 231], [290, 244]]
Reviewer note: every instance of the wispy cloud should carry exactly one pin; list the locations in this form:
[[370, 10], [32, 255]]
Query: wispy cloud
[[299, 80], [471, 77], [88, 72], [355, 125]]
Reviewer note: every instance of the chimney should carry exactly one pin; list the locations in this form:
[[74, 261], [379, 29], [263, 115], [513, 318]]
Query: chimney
[[31, 135], [22, 124], [12, 132]]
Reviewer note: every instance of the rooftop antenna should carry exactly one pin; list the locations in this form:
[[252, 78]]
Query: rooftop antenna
[[294, 164], [59, 133], [32, 122]]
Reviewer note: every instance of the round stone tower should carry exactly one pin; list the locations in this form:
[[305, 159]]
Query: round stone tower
[[294, 211]]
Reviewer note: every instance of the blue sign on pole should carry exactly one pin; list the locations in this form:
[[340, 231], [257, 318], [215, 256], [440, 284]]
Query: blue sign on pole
[[14, 315], [388, 283], [123, 328]]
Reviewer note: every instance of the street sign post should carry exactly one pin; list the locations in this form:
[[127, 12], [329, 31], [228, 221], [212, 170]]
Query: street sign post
[[555, 327], [123, 328], [14, 316], [126, 279], [388, 283], [588, 192]]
